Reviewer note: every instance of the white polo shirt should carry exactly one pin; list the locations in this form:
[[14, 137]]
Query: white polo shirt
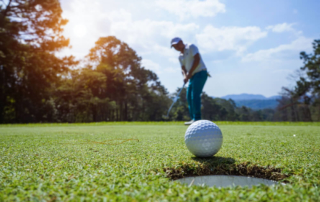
[[186, 59]]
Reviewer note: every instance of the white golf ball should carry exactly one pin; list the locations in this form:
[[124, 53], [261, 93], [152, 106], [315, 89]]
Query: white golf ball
[[203, 138]]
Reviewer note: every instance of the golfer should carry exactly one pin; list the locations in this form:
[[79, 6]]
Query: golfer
[[194, 71]]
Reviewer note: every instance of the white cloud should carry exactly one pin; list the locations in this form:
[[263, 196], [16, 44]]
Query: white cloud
[[148, 26], [150, 34], [174, 60], [282, 71], [228, 38], [278, 53], [157, 68], [172, 69], [192, 8], [149, 64], [148, 37], [284, 27], [119, 16]]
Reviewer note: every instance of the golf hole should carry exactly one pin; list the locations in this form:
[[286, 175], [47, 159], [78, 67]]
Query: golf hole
[[223, 172], [226, 181]]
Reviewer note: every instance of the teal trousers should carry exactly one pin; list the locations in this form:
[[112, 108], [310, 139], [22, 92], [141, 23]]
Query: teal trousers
[[194, 90]]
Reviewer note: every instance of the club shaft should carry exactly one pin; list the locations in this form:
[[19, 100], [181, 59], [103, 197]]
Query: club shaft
[[174, 101]]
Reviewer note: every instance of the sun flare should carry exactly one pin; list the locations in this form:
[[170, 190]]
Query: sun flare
[[79, 30]]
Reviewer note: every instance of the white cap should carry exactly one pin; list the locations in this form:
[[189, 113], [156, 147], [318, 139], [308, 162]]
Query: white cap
[[175, 41]]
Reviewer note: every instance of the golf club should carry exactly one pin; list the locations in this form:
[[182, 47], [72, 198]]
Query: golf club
[[174, 101]]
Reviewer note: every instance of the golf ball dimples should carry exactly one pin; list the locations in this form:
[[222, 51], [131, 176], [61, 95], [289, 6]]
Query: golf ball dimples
[[203, 138]]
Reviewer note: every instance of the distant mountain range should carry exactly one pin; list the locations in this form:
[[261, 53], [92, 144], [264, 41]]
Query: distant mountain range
[[255, 102], [245, 96]]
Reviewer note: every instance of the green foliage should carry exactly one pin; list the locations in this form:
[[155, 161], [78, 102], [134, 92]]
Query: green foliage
[[37, 86], [31, 31], [312, 68], [311, 84], [78, 97], [47, 162], [303, 102], [137, 92]]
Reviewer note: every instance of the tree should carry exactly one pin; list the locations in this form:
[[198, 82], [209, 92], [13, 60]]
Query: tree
[[137, 92], [30, 34], [244, 113], [311, 84], [80, 97], [303, 101], [229, 109], [180, 111], [211, 110]]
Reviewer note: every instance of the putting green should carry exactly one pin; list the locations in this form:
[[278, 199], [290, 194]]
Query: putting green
[[136, 162]]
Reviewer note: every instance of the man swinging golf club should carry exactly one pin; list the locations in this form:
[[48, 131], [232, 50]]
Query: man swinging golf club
[[194, 71]]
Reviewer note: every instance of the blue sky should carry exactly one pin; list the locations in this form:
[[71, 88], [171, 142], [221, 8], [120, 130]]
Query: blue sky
[[248, 46]]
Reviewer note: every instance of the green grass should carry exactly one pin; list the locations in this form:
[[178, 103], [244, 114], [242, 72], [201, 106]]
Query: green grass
[[61, 162]]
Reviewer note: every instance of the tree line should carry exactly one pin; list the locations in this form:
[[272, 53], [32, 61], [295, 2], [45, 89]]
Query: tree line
[[302, 102], [111, 85]]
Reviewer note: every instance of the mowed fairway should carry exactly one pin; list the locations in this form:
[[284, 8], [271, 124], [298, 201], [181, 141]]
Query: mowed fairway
[[69, 162]]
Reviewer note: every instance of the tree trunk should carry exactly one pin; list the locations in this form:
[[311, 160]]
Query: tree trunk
[[117, 117], [126, 111], [2, 104], [293, 114], [111, 115], [120, 111], [2, 94], [94, 113], [319, 113]]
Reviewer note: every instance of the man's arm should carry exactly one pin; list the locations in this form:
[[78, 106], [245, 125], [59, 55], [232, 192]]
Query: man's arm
[[184, 72], [194, 66]]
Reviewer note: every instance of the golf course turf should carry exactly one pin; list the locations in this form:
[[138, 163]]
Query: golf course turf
[[138, 162]]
